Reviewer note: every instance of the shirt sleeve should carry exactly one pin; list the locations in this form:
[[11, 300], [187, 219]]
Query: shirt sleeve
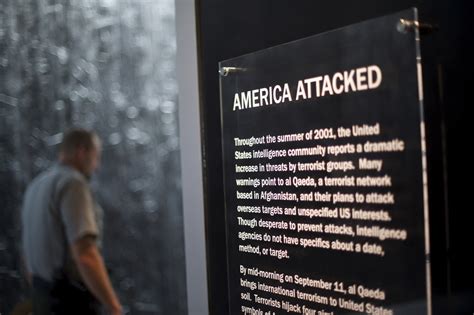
[[77, 211]]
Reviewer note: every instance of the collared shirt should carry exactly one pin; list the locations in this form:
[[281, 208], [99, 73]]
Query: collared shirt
[[58, 209]]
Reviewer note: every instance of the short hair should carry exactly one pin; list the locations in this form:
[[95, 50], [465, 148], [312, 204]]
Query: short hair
[[78, 138]]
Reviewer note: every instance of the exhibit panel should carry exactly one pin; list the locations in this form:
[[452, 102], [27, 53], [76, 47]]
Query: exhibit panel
[[325, 174]]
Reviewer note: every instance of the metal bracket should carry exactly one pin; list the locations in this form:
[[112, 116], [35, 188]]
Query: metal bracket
[[224, 71], [405, 26]]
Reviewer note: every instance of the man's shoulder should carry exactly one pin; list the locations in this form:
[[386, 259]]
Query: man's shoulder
[[67, 176], [58, 176]]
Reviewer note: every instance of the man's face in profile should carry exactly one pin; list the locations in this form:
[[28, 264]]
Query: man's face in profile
[[89, 159]]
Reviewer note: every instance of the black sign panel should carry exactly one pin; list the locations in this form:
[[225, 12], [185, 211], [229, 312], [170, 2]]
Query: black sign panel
[[324, 174]]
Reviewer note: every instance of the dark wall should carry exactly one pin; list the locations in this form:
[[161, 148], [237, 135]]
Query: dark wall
[[228, 29]]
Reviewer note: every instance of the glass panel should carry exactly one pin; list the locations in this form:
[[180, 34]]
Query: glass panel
[[324, 182], [108, 65]]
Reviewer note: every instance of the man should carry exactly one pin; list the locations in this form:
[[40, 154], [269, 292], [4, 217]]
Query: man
[[61, 234]]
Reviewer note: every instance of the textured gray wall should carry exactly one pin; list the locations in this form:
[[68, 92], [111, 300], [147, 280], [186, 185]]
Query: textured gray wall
[[108, 65]]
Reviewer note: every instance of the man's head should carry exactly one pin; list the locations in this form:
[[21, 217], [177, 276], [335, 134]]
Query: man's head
[[81, 149]]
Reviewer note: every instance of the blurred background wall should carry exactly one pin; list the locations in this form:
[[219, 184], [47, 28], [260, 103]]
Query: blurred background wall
[[107, 65]]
